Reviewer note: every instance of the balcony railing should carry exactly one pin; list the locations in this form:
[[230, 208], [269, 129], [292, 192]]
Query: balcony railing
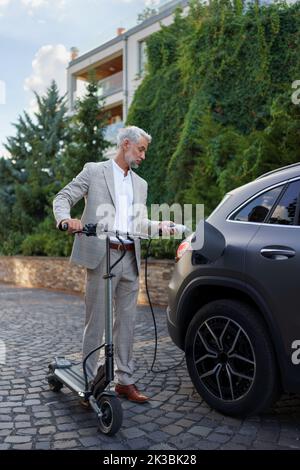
[[111, 84]]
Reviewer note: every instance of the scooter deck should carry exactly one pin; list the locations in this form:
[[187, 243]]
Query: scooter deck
[[72, 377]]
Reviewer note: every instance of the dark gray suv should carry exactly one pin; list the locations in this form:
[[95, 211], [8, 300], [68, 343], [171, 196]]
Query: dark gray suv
[[234, 305]]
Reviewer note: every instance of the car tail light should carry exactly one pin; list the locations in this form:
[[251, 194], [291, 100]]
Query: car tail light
[[183, 247]]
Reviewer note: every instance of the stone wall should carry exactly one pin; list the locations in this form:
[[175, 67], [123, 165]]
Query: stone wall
[[59, 274]]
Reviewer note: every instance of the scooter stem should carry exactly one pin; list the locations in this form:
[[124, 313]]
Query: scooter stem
[[109, 353]]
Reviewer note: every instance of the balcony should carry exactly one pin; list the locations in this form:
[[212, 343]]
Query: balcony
[[111, 84]]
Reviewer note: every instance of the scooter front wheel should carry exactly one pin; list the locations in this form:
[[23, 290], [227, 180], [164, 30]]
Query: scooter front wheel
[[112, 414]]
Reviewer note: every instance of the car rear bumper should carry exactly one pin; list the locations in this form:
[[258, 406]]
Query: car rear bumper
[[173, 330]]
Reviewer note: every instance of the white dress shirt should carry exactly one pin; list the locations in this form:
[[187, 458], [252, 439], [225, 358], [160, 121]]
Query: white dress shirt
[[124, 201]]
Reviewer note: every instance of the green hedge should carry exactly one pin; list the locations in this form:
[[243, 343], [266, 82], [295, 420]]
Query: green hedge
[[217, 100]]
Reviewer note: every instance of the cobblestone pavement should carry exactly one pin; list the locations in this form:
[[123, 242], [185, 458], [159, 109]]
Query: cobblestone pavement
[[38, 324]]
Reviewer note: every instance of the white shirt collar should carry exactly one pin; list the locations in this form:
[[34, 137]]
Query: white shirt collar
[[116, 166]]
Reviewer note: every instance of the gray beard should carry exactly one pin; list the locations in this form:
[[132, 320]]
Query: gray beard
[[133, 165]]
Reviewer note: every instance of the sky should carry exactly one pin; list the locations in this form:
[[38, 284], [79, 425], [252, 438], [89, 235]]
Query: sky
[[35, 41]]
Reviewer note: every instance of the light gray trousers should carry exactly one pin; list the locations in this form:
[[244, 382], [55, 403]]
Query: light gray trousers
[[125, 287]]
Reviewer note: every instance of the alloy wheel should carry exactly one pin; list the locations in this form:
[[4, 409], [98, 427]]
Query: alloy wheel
[[224, 358]]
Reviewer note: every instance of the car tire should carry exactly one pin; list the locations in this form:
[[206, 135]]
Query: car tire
[[230, 358]]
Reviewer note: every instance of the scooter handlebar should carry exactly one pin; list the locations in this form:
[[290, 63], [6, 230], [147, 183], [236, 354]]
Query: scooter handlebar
[[88, 229], [64, 227], [94, 229]]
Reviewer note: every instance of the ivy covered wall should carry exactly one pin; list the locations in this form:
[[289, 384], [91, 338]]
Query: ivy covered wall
[[217, 99]]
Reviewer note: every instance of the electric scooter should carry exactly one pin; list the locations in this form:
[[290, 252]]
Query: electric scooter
[[62, 371]]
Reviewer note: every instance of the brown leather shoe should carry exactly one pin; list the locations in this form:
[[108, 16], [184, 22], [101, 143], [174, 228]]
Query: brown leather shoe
[[131, 393]]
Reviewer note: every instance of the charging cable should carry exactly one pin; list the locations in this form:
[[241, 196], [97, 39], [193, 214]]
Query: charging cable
[[181, 229]]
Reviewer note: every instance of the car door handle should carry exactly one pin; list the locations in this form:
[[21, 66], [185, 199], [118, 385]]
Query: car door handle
[[277, 253]]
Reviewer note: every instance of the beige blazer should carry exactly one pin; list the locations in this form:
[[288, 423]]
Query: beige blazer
[[96, 184]]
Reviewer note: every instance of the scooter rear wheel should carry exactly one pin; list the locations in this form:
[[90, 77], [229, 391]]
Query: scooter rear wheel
[[112, 414]]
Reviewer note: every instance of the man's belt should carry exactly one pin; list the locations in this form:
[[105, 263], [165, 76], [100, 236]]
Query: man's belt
[[120, 247]]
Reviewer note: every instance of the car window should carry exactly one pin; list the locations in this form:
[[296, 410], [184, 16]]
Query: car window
[[285, 211], [258, 209]]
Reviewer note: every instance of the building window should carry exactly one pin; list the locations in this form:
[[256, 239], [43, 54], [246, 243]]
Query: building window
[[142, 57]]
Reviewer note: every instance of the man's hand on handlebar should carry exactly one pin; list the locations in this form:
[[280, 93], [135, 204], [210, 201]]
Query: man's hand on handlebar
[[74, 225], [167, 227]]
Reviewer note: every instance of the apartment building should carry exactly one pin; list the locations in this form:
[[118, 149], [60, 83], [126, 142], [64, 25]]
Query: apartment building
[[119, 66]]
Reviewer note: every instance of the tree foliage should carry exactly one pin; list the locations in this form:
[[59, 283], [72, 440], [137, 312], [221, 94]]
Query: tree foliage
[[86, 131], [46, 151], [147, 13], [217, 99]]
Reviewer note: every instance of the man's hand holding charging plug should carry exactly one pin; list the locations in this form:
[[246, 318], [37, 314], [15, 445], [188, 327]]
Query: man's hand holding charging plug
[[167, 227]]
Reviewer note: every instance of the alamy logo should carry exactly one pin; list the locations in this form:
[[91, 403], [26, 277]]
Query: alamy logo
[[2, 352], [2, 92], [296, 95], [182, 218], [296, 353]]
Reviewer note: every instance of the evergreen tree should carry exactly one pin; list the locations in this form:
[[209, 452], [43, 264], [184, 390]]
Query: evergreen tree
[[36, 157], [47, 151], [87, 141], [7, 197], [148, 12]]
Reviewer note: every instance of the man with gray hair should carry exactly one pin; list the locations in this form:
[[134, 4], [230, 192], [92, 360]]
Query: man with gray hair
[[110, 183]]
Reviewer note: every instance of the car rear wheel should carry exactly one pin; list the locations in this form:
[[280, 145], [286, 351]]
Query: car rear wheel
[[230, 358]]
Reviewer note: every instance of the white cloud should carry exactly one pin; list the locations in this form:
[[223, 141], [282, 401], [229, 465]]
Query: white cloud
[[49, 64], [2, 92], [147, 3], [4, 153], [57, 8], [33, 6], [35, 3], [3, 5]]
